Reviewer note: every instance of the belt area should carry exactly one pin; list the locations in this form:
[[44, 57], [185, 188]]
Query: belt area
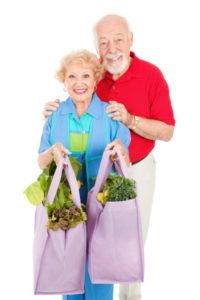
[[135, 162]]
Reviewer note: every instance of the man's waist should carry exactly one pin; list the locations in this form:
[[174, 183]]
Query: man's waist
[[135, 162], [141, 159], [139, 149]]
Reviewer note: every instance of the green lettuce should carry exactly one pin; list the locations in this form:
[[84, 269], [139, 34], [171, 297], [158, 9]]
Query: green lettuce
[[62, 213], [34, 193], [38, 190], [117, 188]]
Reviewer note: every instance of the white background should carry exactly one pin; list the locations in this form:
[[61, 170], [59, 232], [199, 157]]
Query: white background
[[34, 36]]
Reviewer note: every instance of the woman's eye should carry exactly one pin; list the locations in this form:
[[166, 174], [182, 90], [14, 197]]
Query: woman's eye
[[86, 75], [71, 76]]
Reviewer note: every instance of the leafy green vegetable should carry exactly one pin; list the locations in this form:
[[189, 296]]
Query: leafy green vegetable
[[34, 193], [66, 218], [62, 213], [117, 188], [37, 191], [76, 166]]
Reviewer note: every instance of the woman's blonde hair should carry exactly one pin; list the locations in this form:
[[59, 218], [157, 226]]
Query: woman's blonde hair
[[83, 57]]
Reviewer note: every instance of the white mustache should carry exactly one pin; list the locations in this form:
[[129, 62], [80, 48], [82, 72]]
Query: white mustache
[[113, 56]]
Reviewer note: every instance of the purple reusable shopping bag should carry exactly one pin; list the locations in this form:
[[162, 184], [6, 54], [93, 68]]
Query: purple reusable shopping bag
[[59, 256], [115, 247]]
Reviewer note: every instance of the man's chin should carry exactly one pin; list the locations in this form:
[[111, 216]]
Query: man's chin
[[115, 68]]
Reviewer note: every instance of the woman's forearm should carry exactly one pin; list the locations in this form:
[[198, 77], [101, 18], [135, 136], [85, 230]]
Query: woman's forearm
[[56, 152], [45, 158], [126, 158]]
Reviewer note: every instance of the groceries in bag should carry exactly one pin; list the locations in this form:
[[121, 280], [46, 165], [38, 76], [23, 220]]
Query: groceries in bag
[[58, 255], [114, 235], [62, 213]]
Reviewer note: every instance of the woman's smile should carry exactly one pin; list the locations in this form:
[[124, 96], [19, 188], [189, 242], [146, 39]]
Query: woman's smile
[[80, 91]]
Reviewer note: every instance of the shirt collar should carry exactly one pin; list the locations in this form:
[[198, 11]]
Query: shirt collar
[[93, 109], [133, 70]]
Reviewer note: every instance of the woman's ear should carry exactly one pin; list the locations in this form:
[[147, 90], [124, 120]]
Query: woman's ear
[[65, 86]]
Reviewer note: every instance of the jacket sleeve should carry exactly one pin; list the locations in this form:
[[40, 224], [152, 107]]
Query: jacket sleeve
[[45, 138], [122, 133]]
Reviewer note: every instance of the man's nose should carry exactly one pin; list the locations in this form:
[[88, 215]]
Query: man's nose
[[111, 47]]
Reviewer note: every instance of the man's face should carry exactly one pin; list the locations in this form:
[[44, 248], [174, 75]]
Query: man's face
[[114, 43]]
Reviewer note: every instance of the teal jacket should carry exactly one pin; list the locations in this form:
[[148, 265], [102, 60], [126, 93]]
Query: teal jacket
[[103, 130]]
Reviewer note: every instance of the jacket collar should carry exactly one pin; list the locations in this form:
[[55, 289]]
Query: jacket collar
[[94, 108]]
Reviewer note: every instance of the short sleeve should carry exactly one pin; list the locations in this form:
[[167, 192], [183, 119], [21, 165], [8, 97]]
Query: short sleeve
[[45, 138], [160, 106], [122, 133]]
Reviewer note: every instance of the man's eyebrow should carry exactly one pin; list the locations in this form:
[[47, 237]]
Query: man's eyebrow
[[119, 34]]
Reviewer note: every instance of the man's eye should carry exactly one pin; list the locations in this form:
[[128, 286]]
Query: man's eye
[[119, 40], [103, 44]]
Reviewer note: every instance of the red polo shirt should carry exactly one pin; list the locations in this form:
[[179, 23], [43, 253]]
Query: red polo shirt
[[145, 93]]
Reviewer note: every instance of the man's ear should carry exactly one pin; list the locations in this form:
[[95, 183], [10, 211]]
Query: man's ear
[[96, 47], [131, 38]]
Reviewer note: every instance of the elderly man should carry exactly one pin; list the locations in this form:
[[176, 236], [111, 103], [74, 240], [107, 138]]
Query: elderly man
[[139, 97]]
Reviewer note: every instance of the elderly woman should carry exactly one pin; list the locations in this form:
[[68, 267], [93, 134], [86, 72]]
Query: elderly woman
[[81, 128]]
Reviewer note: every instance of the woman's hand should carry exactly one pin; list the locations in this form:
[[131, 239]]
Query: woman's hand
[[50, 106], [58, 151], [114, 157]]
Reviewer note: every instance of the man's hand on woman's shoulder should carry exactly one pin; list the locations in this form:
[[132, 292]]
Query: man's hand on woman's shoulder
[[49, 107]]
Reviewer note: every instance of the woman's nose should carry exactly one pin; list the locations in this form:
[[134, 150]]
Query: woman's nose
[[79, 81]]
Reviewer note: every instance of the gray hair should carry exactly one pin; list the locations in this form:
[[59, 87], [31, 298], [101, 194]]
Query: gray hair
[[95, 26]]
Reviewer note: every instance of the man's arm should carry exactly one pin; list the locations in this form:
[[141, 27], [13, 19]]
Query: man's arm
[[147, 128], [152, 129]]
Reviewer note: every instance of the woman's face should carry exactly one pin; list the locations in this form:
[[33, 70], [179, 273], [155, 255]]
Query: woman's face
[[80, 82]]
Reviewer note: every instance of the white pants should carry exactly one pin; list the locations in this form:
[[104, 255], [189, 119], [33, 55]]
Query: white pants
[[143, 173]]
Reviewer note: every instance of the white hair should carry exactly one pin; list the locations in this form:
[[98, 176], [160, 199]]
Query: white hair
[[95, 28]]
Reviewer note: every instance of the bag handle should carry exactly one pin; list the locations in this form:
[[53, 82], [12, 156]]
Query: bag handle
[[105, 167], [69, 172], [121, 164], [104, 170], [71, 177]]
